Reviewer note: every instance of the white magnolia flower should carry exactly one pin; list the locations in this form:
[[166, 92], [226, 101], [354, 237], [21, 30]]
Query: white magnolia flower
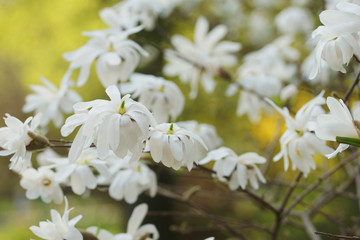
[[202, 59], [175, 146], [134, 230], [163, 98], [338, 123], [207, 133], [338, 39], [59, 227], [120, 124], [131, 13], [331, 4], [250, 100], [16, 139], [41, 183], [240, 169], [117, 56], [294, 20], [324, 74], [298, 143], [130, 181], [80, 173], [50, 101]]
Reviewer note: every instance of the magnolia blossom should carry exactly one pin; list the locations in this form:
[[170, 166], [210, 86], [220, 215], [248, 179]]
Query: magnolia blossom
[[163, 98], [120, 124], [294, 20], [250, 100], [299, 143], [117, 56], [338, 123], [240, 169], [41, 183], [201, 59], [50, 101], [60, 227], [207, 133], [131, 13], [80, 173], [17, 139], [130, 181], [338, 39], [134, 230], [175, 146]]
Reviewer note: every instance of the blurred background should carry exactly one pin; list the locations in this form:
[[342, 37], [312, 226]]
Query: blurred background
[[35, 34]]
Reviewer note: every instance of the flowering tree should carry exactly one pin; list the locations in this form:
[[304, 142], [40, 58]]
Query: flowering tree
[[122, 142]]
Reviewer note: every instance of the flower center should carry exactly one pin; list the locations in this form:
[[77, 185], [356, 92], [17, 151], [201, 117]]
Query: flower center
[[122, 108], [46, 182], [299, 132], [162, 88], [171, 129]]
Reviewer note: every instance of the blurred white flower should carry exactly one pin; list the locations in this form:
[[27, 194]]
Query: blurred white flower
[[331, 4], [50, 101], [175, 146], [80, 174], [298, 143], [41, 183], [294, 20], [240, 169], [250, 103], [207, 133], [131, 181], [121, 125], [134, 230], [338, 123], [202, 59], [59, 227], [131, 13], [16, 139], [324, 74], [117, 56], [288, 92], [163, 98], [338, 39]]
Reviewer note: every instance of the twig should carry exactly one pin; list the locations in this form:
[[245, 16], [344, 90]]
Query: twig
[[330, 235], [279, 212], [168, 194], [318, 182], [309, 227], [251, 195], [351, 89]]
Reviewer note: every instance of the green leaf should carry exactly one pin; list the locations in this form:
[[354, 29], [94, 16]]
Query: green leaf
[[351, 141]]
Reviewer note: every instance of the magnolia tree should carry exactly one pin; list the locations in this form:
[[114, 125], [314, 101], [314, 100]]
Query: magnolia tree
[[119, 141]]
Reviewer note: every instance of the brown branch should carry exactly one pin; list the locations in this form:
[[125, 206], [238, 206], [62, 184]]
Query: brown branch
[[318, 182], [330, 235], [351, 89], [251, 195], [219, 222], [279, 212]]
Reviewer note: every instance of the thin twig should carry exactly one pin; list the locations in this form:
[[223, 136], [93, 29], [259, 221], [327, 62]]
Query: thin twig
[[318, 182], [351, 89], [336, 235], [279, 212], [168, 194], [309, 227]]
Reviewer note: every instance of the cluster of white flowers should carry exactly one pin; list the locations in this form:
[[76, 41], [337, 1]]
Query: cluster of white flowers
[[118, 138], [263, 74], [202, 59], [60, 227], [338, 39], [239, 169]]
